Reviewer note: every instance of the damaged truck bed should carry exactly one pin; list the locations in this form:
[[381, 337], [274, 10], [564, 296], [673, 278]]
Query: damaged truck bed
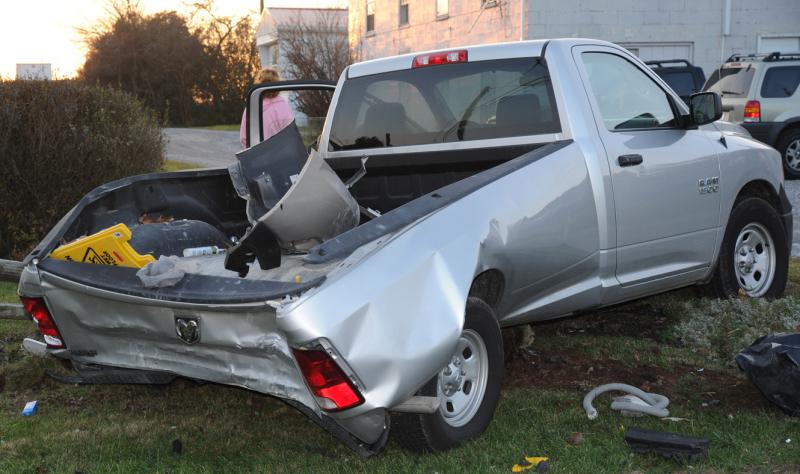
[[365, 280]]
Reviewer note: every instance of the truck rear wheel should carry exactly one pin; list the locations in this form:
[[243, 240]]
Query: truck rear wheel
[[468, 388], [754, 258]]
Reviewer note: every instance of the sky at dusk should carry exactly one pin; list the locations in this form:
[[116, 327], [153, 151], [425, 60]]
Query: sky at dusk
[[44, 31]]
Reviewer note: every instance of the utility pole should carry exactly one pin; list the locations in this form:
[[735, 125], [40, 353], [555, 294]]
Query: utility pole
[[262, 7]]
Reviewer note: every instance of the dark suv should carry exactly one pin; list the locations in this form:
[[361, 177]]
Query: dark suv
[[681, 75], [760, 91]]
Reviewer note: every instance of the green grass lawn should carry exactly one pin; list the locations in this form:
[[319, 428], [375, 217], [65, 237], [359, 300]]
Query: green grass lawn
[[233, 127], [8, 294], [171, 165], [649, 343]]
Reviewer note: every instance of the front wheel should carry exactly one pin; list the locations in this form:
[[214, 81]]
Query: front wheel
[[754, 258], [468, 388]]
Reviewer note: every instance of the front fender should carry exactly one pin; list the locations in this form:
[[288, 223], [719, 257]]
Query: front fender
[[743, 161], [746, 160]]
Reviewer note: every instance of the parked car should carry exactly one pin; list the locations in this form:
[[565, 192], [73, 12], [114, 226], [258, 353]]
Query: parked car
[[681, 75], [759, 91], [451, 193]]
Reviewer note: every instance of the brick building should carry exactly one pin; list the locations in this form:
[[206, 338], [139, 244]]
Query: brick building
[[701, 31]]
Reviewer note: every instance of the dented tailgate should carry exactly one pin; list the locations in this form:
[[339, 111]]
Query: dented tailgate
[[230, 344]]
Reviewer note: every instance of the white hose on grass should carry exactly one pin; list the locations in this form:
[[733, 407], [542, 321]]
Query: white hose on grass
[[655, 404]]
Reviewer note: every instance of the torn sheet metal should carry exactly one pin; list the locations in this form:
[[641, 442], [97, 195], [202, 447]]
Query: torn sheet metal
[[296, 195], [316, 208], [265, 172]]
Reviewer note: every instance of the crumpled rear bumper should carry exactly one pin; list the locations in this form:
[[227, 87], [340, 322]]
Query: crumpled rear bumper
[[239, 345]]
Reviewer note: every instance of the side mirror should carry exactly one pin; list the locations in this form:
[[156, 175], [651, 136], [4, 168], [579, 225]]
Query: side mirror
[[704, 107]]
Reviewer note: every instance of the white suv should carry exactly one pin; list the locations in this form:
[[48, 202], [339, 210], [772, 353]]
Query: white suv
[[761, 93]]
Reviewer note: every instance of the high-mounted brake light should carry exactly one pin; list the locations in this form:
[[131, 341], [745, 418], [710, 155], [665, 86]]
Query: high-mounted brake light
[[436, 59], [331, 387], [752, 111], [38, 310]]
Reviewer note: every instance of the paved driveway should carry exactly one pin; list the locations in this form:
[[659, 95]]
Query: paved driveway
[[207, 148]]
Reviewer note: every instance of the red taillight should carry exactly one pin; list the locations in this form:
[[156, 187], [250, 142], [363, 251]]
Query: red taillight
[[752, 111], [38, 310], [331, 387], [435, 59]]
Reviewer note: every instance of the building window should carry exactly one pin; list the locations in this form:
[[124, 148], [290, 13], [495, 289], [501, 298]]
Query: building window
[[442, 8], [403, 12], [488, 3], [370, 16]]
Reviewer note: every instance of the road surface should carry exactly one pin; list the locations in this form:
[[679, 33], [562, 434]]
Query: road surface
[[206, 148]]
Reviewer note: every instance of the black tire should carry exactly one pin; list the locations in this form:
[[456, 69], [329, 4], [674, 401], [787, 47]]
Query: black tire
[[748, 211], [787, 139], [432, 433]]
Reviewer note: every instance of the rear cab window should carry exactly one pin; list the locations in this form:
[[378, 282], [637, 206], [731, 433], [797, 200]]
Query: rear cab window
[[445, 103], [732, 80], [780, 81]]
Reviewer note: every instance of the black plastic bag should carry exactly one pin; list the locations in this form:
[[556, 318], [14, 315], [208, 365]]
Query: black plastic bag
[[772, 363]]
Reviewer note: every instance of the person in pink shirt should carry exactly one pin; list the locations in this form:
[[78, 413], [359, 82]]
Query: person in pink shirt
[[276, 112]]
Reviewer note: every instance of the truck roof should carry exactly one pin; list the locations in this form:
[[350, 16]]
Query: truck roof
[[516, 49]]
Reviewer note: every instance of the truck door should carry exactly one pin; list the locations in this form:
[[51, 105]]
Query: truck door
[[665, 178], [273, 105]]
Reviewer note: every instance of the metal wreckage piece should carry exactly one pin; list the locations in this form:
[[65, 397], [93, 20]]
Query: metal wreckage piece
[[292, 210]]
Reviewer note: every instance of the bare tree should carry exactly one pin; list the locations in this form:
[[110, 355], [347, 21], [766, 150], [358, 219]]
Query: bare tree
[[315, 49], [229, 44]]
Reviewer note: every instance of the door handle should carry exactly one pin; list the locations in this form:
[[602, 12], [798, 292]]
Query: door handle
[[629, 160]]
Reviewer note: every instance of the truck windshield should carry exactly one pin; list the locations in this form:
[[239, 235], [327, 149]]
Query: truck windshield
[[731, 81], [446, 103]]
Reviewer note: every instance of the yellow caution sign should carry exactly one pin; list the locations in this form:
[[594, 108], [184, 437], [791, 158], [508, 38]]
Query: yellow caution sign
[[107, 247], [532, 462]]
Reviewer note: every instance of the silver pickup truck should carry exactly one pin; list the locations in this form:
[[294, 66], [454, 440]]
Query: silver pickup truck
[[449, 194]]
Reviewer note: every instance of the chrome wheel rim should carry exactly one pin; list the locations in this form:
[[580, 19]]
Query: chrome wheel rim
[[754, 260], [792, 155], [462, 383]]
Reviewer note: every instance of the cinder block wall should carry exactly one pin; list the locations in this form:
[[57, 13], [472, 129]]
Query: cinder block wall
[[698, 22]]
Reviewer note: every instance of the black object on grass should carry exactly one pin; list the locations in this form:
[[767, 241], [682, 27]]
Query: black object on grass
[[772, 363], [669, 445], [177, 447]]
